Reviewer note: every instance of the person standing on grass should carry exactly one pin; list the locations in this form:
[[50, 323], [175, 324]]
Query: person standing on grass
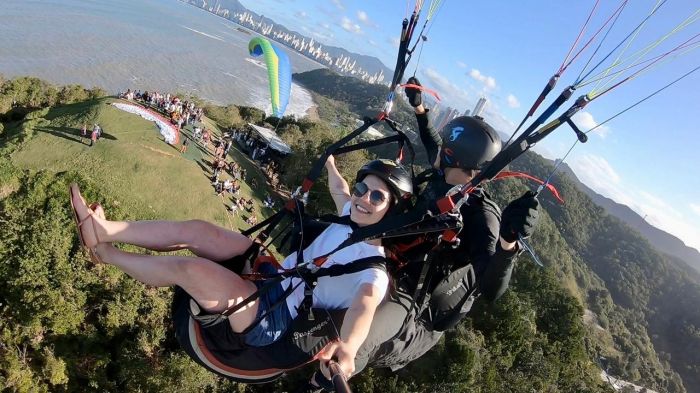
[[206, 137], [185, 142], [94, 135]]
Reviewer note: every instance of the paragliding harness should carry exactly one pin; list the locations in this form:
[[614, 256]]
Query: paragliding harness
[[304, 339], [313, 329]]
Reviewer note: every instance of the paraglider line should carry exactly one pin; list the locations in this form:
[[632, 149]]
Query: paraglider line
[[651, 46], [689, 46], [596, 95], [639, 26], [564, 64], [645, 98], [600, 44], [553, 80]]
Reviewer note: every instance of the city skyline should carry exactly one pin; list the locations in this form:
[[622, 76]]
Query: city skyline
[[309, 47]]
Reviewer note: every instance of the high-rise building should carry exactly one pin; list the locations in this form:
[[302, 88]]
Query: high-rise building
[[479, 108], [467, 112], [443, 118]]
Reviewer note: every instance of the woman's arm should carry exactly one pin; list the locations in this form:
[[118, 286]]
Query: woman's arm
[[355, 329], [338, 187]]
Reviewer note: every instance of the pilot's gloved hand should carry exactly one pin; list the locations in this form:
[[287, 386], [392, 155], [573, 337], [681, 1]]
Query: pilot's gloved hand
[[413, 94], [520, 217]]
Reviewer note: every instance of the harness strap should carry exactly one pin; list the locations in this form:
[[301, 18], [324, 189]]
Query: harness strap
[[373, 262], [269, 222], [308, 275], [281, 301], [208, 320], [377, 262], [426, 274]]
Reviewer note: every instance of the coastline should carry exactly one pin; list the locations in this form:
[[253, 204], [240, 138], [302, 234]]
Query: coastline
[[248, 31]]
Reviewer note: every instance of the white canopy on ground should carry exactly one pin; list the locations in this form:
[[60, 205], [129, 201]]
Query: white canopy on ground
[[271, 138], [167, 129]]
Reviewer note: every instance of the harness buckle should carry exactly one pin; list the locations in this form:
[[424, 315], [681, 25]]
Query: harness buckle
[[454, 242], [311, 267], [456, 190], [307, 303]]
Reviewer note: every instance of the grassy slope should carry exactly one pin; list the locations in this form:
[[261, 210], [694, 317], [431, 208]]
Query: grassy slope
[[133, 165]]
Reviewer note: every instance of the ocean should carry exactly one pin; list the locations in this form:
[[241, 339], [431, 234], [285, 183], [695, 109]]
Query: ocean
[[163, 45]]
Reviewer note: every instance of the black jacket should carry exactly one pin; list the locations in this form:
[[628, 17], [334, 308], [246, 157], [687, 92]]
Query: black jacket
[[479, 239], [400, 332]]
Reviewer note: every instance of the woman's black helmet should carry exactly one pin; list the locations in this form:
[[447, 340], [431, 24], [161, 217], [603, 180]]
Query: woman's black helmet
[[468, 143], [394, 175]]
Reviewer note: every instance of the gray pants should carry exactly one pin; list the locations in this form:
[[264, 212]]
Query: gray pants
[[396, 337]]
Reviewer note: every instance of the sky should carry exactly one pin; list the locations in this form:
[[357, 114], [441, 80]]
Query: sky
[[506, 51]]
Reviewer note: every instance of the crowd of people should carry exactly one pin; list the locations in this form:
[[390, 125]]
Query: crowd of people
[[186, 113], [181, 113]]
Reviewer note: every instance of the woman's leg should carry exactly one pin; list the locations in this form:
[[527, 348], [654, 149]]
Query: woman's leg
[[214, 287], [202, 238]]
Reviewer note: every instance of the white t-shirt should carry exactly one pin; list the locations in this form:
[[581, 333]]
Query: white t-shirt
[[336, 292]]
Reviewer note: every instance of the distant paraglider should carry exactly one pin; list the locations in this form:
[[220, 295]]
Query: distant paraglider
[[279, 72]]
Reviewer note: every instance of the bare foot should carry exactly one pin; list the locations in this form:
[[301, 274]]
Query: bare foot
[[85, 220], [84, 217], [99, 211]]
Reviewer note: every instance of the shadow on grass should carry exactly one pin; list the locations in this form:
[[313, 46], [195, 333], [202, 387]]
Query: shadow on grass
[[173, 146], [71, 134], [204, 167]]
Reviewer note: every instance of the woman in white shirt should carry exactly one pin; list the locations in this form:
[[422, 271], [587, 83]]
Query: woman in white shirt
[[381, 187]]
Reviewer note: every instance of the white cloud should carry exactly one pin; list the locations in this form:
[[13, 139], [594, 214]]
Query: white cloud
[[301, 14], [461, 64], [339, 4], [598, 174], [323, 36], [372, 42], [451, 94], [489, 82], [348, 25], [362, 16], [325, 25], [394, 41], [585, 121], [695, 208], [513, 101], [498, 121]]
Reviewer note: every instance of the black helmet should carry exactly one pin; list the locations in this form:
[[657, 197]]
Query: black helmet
[[394, 175], [468, 143]]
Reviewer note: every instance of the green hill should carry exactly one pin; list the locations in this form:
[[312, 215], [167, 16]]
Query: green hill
[[131, 163]]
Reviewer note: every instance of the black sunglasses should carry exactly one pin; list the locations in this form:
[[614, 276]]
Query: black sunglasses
[[376, 197]]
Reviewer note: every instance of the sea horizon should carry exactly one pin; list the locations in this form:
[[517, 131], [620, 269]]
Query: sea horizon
[[163, 45]]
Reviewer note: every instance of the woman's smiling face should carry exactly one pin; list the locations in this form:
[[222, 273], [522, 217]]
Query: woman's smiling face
[[370, 207]]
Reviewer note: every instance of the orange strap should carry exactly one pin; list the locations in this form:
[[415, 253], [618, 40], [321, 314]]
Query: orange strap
[[551, 188]]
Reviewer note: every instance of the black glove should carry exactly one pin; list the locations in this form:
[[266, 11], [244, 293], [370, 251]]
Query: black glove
[[520, 217], [413, 94]]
